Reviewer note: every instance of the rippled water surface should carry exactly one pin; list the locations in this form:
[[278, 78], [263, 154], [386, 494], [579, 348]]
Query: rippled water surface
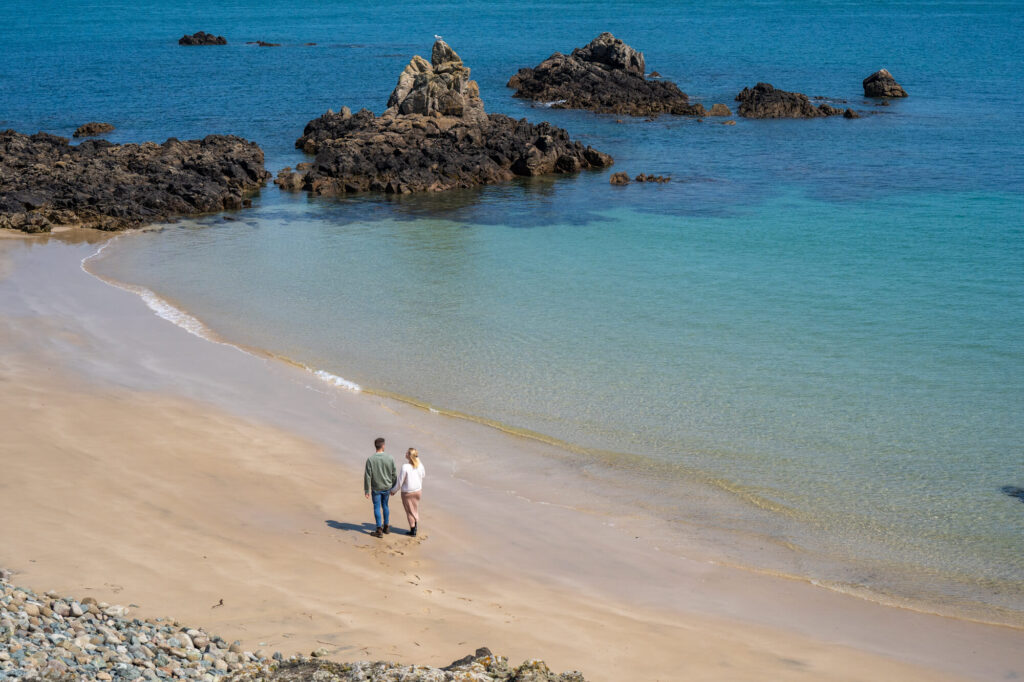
[[824, 317]]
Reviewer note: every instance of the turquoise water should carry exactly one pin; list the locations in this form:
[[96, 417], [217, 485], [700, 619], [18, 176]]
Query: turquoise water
[[823, 318]]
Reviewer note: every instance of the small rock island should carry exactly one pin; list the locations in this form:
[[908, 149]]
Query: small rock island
[[92, 129], [46, 182], [605, 76], [882, 84], [202, 38], [434, 136], [765, 101]]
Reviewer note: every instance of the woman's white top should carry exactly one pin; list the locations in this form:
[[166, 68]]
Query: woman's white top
[[410, 479]]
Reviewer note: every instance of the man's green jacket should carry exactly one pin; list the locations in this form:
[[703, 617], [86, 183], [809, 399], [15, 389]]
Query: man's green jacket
[[380, 473]]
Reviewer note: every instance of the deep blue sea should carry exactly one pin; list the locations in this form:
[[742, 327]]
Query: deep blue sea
[[824, 318]]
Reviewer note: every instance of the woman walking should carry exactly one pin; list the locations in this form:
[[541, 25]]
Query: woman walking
[[410, 482]]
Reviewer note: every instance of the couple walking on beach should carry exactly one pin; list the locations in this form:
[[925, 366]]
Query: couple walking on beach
[[381, 481]]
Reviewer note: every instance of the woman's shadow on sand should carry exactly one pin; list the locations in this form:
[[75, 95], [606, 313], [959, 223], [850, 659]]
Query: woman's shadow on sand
[[365, 528]]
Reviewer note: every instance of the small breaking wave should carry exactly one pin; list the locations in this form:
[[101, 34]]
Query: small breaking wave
[[166, 310], [548, 105], [335, 380]]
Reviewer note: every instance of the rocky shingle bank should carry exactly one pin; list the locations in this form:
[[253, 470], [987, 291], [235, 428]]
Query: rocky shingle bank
[[62, 639], [482, 666], [606, 76], [434, 136], [44, 181]]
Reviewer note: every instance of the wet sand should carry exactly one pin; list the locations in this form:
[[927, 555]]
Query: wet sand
[[143, 464]]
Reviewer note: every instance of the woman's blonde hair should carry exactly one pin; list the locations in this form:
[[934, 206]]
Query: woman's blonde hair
[[414, 456]]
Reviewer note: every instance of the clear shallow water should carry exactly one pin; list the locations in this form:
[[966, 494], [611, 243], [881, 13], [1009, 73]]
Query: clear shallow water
[[824, 317]]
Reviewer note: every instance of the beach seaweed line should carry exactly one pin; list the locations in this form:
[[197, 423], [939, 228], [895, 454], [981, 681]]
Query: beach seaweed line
[[612, 459]]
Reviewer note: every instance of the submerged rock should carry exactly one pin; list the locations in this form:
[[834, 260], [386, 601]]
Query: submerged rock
[[1013, 491], [764, 101], [202, 38], [434, 136], [45, 182], [93, 128], [882, 84], [606, 76], [644, 177]]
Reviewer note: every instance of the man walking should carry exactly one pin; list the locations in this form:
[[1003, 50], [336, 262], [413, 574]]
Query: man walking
[[378, 479]]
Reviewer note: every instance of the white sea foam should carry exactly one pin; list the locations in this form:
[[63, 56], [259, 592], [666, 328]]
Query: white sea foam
[[175, 315], [168, 311], [163, 309], [335, 380], [548, 105]]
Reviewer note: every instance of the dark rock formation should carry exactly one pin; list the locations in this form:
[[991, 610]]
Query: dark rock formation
[[606, 76], [93, 128], [202, 38], [619, 179], [850, 113], [44, 181], [882, 84], [435, 135], [764, 101], [262, 43], [719, 110]]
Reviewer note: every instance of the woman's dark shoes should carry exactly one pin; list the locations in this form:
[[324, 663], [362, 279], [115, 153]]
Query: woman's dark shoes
[[387, 528], [413, 531], [377, 533]]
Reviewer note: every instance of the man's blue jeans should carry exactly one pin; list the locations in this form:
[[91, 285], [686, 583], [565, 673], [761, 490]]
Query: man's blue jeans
[[380, 502]]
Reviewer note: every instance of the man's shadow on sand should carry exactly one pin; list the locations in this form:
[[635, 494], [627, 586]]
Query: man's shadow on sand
[[365, 528]]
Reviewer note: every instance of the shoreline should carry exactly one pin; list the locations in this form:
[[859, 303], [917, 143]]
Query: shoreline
[[534, 575], [747, 548]]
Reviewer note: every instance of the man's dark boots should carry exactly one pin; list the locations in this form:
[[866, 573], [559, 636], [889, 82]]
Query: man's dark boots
[[387, 528], [377, 533]]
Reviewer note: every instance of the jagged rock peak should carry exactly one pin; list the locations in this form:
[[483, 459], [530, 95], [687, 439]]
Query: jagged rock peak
[[608, 50], [443, 53], [440, 87]]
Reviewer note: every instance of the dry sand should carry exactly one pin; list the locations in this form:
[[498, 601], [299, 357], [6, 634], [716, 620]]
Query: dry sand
[[141, 464]]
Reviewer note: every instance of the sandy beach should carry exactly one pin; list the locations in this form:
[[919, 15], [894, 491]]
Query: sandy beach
[[142, 464]]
